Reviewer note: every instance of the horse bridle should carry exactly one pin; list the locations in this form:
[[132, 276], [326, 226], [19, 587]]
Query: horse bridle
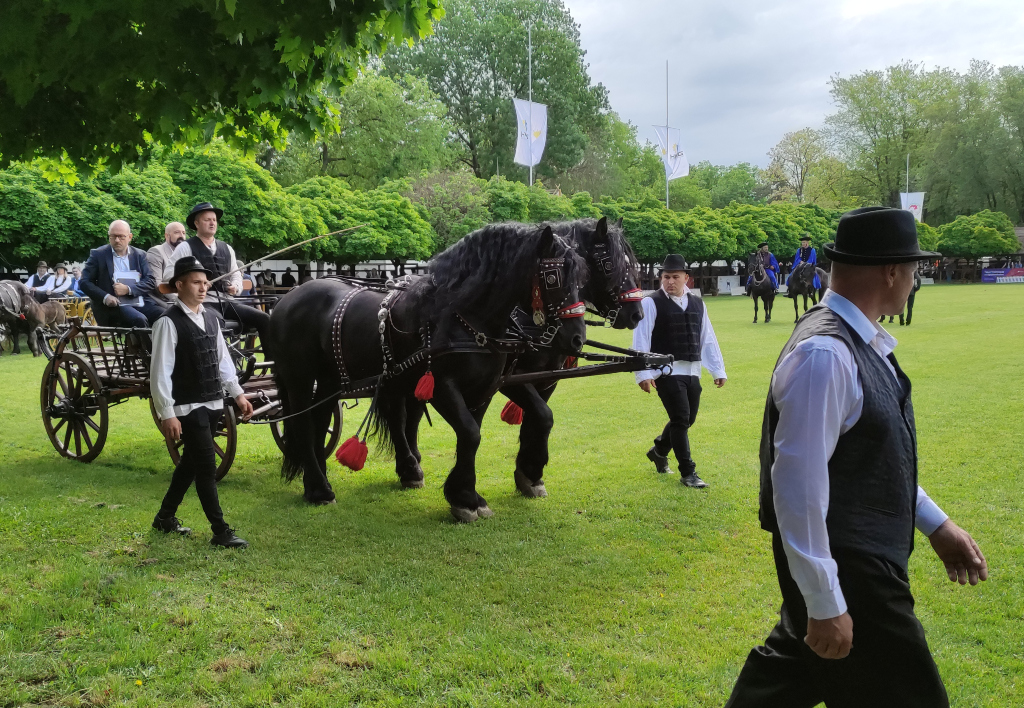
[[618, 293], [551, 311]]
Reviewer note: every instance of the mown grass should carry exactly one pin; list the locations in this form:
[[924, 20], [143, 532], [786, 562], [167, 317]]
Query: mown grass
[[621, 588]]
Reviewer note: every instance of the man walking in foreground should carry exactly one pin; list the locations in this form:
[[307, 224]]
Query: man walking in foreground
[[676, 322], [191, 371], [839, 494]]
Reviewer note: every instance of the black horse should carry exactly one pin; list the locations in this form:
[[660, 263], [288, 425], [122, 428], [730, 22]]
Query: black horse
[[336, 336], [760, 287], [801, 282], [611, 292]]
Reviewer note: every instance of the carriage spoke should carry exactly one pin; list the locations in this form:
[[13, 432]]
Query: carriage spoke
[[85, 434], [67, 436], [62, 423], [220, 451], [62, 382], [78, 439], [92, 424]]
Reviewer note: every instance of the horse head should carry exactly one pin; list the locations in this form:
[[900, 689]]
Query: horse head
[[611, 290], [555, 292]]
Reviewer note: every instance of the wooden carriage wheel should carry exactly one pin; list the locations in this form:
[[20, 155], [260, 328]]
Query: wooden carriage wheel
[[6, 339], [225, 440], [333, 430], [73, 407]]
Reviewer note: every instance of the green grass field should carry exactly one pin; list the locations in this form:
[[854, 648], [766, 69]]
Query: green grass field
[[621, 588]]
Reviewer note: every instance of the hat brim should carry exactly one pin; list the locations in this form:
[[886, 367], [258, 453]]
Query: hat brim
[[190, 220], [858, 259], [179, 276]]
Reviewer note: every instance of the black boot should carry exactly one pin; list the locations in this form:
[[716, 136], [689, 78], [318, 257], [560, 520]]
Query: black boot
[[228, 539], [660, 461], [692, 480], [170, 525]]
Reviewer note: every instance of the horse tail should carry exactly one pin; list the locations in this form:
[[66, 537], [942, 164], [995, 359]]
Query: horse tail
[[291, 465]]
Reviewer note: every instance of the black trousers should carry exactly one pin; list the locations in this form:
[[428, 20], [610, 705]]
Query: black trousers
[[198, 464], [681, 397], [250, 317], [889, 666], [127, 315]]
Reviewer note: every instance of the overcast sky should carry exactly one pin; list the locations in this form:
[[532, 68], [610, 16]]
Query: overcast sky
[[744, 72]]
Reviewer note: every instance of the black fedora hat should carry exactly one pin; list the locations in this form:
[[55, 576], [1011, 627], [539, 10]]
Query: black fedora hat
[[673, 262], [186, 265], [876, 236], [762, 244], [198, 209], [805, 237]]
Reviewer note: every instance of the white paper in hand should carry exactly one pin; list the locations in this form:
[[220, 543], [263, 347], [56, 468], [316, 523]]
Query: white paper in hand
[[131, 279]]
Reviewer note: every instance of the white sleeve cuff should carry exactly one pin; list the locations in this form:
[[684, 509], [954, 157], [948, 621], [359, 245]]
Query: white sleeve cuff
[[165, 413], [929, 515], [645, 375], [825, 604], [718, 374]]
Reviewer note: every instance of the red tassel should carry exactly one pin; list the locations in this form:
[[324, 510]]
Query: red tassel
[[512, 414], [571, 362], [425, 387], [352, 453]]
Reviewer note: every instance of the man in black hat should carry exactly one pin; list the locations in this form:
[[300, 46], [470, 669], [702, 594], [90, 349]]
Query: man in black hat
[[190, 373], [36, 282], [219, 258], [676, 322], [770, 263], [839, 494], [805, 254], [118, 281]]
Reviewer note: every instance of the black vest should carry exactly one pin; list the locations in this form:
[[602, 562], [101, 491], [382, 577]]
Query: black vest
[[219, 263], [196, 374], [873, 470], [677, 331]]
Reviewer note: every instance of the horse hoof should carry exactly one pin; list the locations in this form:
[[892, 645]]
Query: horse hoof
[[466, 516], [484, 512], [412, 484], [320, 500], [528, 488]]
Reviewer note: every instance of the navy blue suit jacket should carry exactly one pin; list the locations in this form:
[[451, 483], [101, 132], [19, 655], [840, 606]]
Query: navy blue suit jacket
[[98, 275]]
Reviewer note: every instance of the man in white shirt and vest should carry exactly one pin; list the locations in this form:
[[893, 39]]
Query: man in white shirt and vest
[[219, 258], [190, 373], [160, 255], [676, 322], [839, 494]]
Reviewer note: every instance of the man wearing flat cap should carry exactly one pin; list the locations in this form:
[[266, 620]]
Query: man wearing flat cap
[[839, 494], [191, 373], [676, 322], [218, 258]]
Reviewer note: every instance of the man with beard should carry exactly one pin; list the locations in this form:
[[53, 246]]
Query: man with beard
[[160, 255]]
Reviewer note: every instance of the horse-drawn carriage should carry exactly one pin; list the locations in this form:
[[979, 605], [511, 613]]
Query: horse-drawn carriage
[[94, 368]]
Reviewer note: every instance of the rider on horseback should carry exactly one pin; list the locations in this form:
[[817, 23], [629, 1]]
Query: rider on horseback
[[805, 254], [770, 265]]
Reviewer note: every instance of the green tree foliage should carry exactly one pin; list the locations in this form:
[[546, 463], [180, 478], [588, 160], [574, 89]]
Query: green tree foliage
[[715, 185], [259, 215], [387, 129], [986, 233], [56, 220], [927, 237], [453, 203], [508, 201], [615, 163], [105, 79], [796, 156], [545, 206], [476, 62]]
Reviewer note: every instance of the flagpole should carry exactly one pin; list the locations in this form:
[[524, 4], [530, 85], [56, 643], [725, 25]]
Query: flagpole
[[666, 133], [908, 176], [529, 61]]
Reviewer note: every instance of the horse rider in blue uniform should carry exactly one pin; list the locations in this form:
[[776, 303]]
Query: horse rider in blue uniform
[[771, 266], [806, 254]]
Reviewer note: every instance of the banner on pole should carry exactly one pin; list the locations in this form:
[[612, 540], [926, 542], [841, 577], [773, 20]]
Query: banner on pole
[[913, 202], [532, 121], [671, 154]]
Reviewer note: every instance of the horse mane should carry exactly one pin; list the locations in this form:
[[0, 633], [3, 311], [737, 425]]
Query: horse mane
[[580, 234], [496, 263]]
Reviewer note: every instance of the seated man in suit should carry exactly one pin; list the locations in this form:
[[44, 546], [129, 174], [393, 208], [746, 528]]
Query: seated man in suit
[[110, 264]]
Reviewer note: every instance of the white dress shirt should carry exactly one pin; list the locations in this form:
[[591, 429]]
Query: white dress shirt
[[710, 354], [184, 250], [165, 339], [59, 285], [818, 393]]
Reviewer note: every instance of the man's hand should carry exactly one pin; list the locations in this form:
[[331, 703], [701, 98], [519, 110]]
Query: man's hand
[[121, 289], [830, 638], [232, 290], [959, 553], [647, 385], [244, 407], [171, 428], [719, 382], [110, 301]]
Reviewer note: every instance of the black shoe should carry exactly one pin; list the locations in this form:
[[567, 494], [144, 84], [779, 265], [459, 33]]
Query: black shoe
[[171, 525], [692, 480], [228, 539], [660, 461]]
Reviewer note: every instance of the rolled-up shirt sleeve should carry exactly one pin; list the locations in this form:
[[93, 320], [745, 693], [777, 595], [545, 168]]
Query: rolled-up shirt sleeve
[[813, 389]]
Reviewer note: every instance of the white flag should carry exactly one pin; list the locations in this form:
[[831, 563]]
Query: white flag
[[532, 121], [671, 153], [913, 202]]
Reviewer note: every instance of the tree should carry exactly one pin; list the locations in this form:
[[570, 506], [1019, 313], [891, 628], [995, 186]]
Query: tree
[[476, 62], [796, 155], [830, 185], [986, 233], [615, 164], [508, 201], [453, 203], [106, 79], [387, 129]]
